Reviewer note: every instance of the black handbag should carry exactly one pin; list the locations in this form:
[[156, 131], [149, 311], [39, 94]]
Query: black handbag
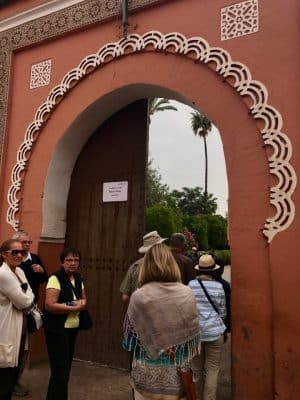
[[85, 320]]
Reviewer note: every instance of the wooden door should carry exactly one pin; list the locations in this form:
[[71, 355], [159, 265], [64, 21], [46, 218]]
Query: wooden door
[[108, 234]]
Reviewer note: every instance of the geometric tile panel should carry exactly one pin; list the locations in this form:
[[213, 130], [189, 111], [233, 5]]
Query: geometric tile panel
[[40, 74], [239, 19]]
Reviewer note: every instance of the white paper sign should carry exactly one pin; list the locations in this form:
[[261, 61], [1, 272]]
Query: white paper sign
[[115, 191]]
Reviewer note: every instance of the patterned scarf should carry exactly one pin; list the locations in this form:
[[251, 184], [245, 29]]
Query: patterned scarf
[[163, 316]]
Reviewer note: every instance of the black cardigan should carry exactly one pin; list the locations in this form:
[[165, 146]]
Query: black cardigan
[[55, 322], [34, 278]]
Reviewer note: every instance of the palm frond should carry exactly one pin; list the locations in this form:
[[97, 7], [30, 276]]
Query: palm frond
[[159, 104], [200, 123]]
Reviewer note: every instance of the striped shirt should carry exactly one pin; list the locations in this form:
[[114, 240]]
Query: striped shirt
[[211, 324]]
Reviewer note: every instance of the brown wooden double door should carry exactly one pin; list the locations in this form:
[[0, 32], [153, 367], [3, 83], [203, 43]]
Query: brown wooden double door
[[108, 234]]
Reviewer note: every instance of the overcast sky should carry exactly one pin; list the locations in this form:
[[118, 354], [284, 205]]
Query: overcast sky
[[179, 155]]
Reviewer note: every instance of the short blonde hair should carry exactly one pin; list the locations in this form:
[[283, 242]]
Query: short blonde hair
[[159, 265]]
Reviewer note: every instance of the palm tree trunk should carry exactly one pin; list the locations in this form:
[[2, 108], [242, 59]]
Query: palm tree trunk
[[206, 168]]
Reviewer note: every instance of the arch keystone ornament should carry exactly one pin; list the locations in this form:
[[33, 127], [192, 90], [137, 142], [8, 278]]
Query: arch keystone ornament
[[196, 49]]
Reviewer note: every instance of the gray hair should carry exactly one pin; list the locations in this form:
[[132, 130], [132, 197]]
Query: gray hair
[[17, 235]]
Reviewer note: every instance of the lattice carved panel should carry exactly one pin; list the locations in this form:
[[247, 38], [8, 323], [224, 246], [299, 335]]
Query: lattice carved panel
[[195, 49], [40, 74], [239, 19]]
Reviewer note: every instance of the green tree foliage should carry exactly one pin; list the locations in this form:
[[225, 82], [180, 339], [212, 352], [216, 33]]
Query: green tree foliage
[[156, 191], [163, 219], [224, 256], [192, 201], [158, 104], [169, 212], [201, 126], [197, 225], [217, 231], [210, 230]]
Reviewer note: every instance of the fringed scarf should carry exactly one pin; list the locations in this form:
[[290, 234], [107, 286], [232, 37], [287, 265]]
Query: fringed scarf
[[163, 317]]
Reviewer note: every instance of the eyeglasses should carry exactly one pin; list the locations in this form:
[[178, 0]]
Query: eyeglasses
[[26, 241], [15, 252], [70, 260]]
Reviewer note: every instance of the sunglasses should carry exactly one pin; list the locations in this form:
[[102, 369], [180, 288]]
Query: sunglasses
[[26, 241], [15, 252]]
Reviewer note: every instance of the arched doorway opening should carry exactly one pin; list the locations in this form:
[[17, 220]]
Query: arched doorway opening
[[109, 234], [63, 170]]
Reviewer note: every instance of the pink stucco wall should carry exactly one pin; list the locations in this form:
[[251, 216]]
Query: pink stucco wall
[[265, 277]]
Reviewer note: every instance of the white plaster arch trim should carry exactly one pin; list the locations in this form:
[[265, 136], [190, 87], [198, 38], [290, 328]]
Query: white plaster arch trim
[[196, 49]]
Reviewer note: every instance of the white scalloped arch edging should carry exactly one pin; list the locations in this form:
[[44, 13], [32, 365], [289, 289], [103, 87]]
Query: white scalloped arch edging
[[196, 49]]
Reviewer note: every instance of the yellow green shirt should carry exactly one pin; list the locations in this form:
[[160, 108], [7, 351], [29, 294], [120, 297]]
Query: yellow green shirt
[[72, 320]]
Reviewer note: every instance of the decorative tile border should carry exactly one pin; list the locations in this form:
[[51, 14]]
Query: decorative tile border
[[69, 19], [195, 49], [239, 19], [40, 74]]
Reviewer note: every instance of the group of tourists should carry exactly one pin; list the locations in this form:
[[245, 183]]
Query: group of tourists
[[21, 273], [177, 320], [175, 325]]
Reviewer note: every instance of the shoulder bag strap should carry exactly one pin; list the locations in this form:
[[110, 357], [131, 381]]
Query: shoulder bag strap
[[74, 291], [77, 280], [208, 296], [19, 279]]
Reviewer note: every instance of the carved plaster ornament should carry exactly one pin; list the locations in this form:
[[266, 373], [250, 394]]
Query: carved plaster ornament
[[196, 49]]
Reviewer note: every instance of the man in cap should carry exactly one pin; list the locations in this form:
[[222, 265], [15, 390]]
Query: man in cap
[[130, 282], [177, 244], [31, 265]]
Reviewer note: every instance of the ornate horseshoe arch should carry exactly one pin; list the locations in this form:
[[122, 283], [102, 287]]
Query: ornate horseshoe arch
[[196, 49]]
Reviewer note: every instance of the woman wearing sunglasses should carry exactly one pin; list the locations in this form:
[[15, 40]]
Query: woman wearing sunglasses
[[15, 296], [65, 298]]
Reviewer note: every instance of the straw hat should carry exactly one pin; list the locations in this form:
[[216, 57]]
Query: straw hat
[[149, 240], [206, 264]]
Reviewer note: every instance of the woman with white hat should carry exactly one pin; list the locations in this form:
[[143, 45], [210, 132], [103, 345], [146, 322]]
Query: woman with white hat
[[211, 305]]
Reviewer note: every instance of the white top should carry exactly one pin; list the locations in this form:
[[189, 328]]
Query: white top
[[28, 257], [12, 301]]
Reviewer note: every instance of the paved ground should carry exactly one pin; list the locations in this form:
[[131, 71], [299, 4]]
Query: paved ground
[[92, 382], [88, 382]]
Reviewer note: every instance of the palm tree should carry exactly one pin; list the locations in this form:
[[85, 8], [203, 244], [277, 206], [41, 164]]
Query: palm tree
[[201, 126], [157, 104]]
